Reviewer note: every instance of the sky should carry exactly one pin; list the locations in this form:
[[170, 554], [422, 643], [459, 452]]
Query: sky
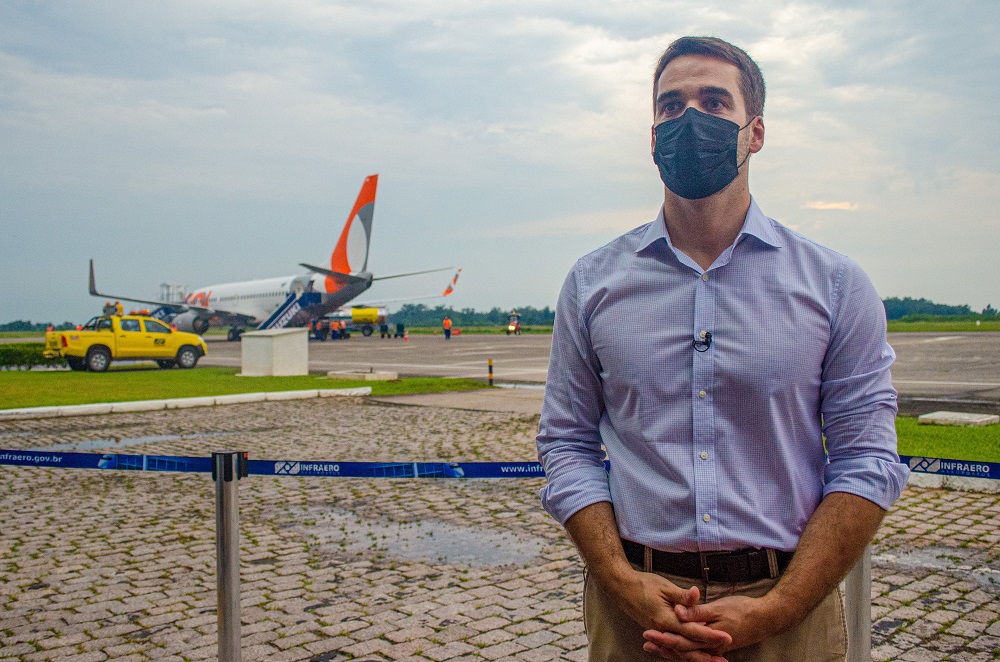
[[202, 142]]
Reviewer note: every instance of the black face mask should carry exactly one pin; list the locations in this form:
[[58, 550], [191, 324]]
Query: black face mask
[[696, 153]]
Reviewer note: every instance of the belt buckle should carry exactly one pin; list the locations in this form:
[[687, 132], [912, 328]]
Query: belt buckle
[[705, 568], [703, 557]]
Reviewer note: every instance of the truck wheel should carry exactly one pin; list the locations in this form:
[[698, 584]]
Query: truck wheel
[[367, 331], [75, 363], [166, 364], [98, 359], [187, 357]]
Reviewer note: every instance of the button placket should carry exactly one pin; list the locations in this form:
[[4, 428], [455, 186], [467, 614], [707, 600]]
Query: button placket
[[706, 487]]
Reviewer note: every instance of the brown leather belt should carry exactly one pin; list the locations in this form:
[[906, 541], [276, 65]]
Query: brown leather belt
[[742, 565]]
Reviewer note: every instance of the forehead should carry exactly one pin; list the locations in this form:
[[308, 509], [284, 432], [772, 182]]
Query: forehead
[[686, 74]]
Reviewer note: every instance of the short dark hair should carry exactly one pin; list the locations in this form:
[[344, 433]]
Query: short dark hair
[[751, 79]]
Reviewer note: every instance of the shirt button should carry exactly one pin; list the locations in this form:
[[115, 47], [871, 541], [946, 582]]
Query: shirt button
[[702, 394], [706, 517], [704, 455], [704, 276], [702, 334]]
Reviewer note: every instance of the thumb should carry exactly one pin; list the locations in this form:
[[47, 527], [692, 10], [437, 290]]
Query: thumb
[[694, 613], [692, 597]]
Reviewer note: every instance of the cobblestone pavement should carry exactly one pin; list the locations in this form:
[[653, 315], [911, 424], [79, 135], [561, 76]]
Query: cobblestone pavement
[[120, 565]]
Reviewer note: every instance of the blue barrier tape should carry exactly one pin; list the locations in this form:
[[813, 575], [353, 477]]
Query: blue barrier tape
[[106, 461], [927, 465], [942, 467]]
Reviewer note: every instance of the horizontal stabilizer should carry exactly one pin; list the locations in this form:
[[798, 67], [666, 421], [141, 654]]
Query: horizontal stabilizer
[[341, 279]]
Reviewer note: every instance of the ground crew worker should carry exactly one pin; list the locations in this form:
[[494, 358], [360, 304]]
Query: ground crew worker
[[119, 309], [447, 327], [343, 329], [108, 309]]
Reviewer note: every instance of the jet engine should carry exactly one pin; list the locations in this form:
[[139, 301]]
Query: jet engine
[[190, 322]]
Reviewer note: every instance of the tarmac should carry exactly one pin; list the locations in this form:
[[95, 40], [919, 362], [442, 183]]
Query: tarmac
[[108, 565]]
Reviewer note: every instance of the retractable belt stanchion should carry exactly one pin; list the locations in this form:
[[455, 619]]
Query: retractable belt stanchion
[[858, 605], [227, 469]]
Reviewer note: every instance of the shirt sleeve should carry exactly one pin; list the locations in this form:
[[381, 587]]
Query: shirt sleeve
[[858, 401], [569, 440]]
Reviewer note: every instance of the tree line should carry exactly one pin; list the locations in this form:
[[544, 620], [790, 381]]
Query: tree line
[[906, 309], [421, 315]]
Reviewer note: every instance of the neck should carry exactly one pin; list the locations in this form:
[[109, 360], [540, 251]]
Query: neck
[[703, 229]]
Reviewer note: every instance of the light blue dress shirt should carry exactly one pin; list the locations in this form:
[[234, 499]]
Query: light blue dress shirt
[[721, 449]]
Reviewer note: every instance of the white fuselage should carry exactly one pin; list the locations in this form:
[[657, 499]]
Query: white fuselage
[[256, 299]]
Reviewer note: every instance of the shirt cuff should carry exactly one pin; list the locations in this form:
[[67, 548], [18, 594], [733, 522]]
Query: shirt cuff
[[575, 490], [877, 480]]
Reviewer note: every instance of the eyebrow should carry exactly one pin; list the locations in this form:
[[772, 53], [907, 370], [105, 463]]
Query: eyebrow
[[708, 90]]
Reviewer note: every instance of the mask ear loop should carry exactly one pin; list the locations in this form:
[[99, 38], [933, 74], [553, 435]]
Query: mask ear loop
[[747, 157]]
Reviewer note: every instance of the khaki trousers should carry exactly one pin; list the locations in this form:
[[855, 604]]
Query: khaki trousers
[[821, 637]]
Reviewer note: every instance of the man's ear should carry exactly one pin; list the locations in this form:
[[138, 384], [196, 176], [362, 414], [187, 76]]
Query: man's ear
[[652, 140], [757, 134]]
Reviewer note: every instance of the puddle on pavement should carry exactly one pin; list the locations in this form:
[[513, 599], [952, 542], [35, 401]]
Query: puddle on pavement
[[955, 560], [121, 442], [426, 540]]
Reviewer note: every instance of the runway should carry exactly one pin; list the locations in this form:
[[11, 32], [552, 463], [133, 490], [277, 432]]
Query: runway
[[960, 369]]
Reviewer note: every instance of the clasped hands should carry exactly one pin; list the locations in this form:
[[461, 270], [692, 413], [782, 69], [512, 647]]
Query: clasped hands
[[681, 630]]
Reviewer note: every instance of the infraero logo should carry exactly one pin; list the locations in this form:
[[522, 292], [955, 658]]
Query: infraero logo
[[925, 464], [286, 468]]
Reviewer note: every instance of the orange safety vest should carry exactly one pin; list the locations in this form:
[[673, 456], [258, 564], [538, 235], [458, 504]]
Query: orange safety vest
[[447, 324]]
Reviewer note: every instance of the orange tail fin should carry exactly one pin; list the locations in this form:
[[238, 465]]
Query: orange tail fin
[[351, 253]]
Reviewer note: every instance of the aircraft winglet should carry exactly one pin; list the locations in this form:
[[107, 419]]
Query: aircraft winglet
[[451, 286]]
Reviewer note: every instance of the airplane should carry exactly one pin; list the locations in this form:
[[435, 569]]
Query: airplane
[[272, 303]]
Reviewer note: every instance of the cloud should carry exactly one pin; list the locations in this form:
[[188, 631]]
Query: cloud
[[249, 123], [832, 206], [611, 223]]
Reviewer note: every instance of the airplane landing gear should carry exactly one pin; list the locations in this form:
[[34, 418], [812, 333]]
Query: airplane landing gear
[[234, 334]]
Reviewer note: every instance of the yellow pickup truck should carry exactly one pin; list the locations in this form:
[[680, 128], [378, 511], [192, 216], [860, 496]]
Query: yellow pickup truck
[[134, 337]]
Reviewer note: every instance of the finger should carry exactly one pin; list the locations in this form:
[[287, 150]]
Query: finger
[[689, 638]]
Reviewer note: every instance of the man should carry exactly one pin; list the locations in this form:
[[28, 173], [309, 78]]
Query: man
[[446, 325], [709, 353]]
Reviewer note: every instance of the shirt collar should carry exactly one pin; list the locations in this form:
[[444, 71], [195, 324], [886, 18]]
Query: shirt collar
[[755, 224]]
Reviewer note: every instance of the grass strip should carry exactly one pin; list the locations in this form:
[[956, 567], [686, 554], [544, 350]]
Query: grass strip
[[948, 442], [39, 388], [963, 326]]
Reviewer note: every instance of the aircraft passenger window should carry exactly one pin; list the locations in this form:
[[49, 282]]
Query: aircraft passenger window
[[153, 326], [130, 325]]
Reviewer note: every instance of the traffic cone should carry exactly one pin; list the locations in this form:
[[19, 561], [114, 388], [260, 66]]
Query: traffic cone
[[406, 336]]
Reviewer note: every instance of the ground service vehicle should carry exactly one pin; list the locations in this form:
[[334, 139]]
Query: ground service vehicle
[[514, 324], [362, 319], [135, 337]]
